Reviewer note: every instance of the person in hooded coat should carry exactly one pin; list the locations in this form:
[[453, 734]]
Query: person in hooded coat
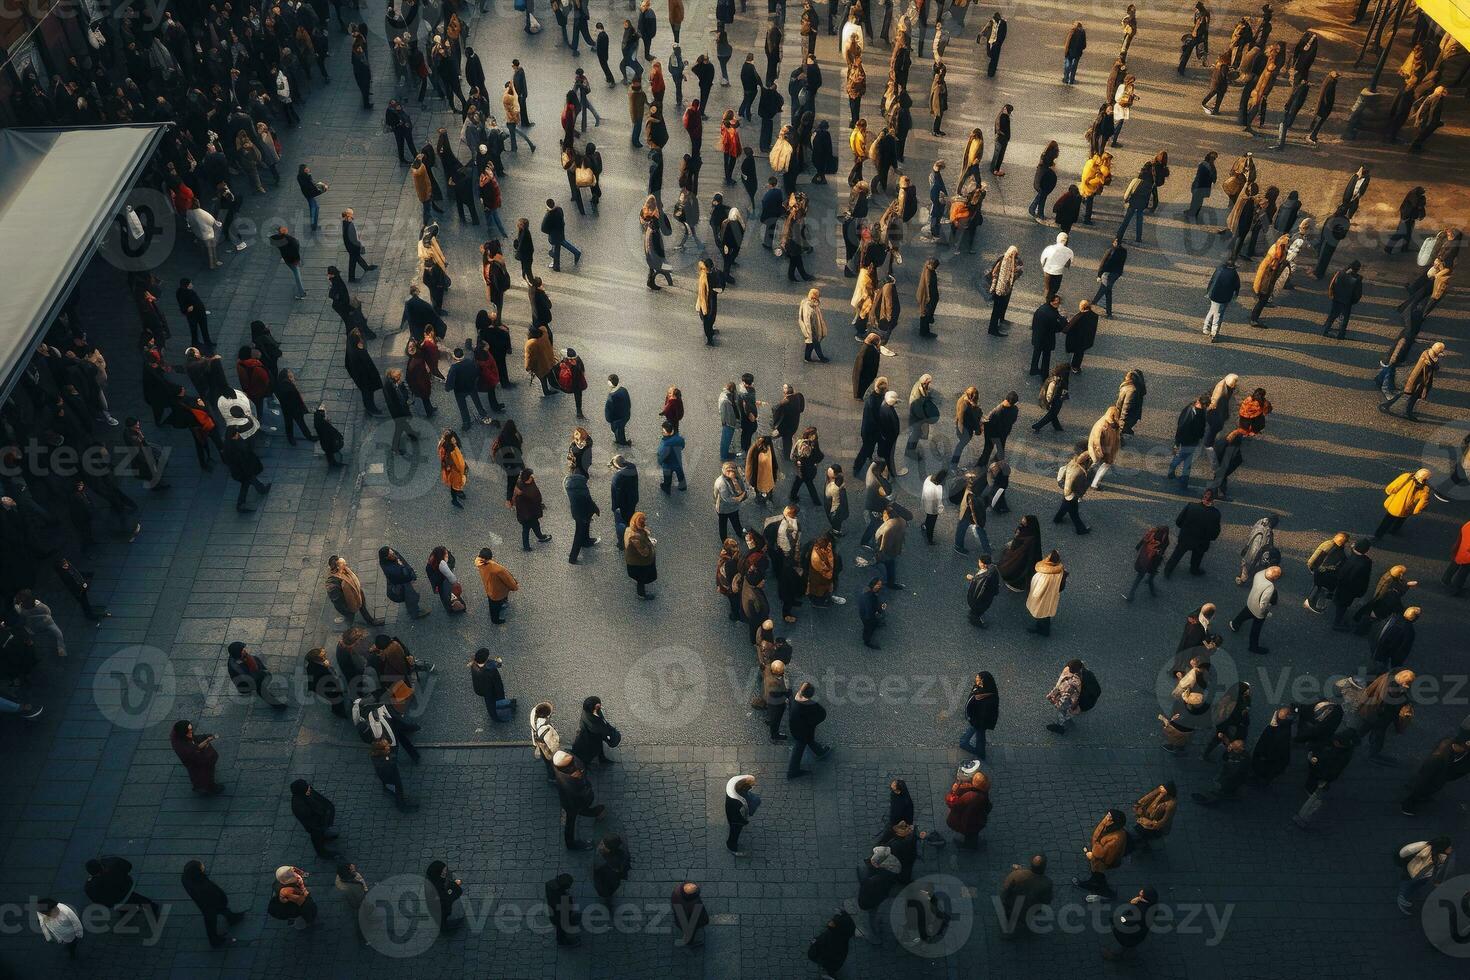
[[1019, 558], [982, 712], [316, 814]]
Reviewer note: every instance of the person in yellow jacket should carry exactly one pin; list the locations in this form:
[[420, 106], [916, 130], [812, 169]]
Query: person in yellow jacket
[[498, 582], [1406, 496], [453, 470], [858, 141], [1097, 173]]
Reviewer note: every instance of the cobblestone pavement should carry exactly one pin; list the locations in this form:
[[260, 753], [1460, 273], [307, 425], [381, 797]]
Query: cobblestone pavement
[[96, 776]]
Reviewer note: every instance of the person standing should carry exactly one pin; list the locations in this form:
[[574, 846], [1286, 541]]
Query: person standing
[[583, 509], [316, 814], [1044, 595], [1223, 287], [1072, 50], [487, 683], [1022, 890], [498, 583], [1109, 271], [1046, 323], [1104, 852], [969, 807], [578, 798], [993, 36], [982, 712], [1055, 260], [872, 611], [741, 802]]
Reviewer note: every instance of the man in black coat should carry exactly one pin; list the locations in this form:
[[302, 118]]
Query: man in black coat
[[354, 246], [244, 466], [1002, 138], [868, 431], [195, 313], [603, 45], [996, 427], [1345, 289], [1354, 576], [805, 714], [786, 417], [578, 798], [1046, 323], [110, 884], [993, 35], [486, 680], [1189, 430], [1199, 525], [316, 814], [750, 84], [1392, 643], [583, 508], [981, 592], [768, 108], [419, 313], [462, 379]]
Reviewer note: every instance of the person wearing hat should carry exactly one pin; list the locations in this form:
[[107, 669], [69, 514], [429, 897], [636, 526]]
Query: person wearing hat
[[877, 877], [1130, 925]]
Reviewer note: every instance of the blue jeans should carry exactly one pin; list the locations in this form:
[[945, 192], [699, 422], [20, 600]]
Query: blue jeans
[[492, 217], [1384, 380], [296, 274], [512, 127], [556, 248], [961, 440], [973, 740], [1136, 215], [875, 521], [727, 433], [1182, 461], [1069, 71], [1105, 292], [959, 535], [798, 752], [1118, 130], [315, 210]]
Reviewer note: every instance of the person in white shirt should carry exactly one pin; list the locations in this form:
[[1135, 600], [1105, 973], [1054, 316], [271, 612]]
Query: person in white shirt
[[1055, 259], [1258, 606], [932, 499], [245, 420], [59, 924], [204, 226]]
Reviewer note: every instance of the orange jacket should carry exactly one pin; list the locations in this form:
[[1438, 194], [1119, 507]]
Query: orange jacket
[[498, 582]]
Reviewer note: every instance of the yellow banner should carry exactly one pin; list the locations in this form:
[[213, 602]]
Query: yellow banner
[[1452, 15]]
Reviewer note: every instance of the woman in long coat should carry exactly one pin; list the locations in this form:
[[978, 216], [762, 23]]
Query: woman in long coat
[[638, 554], [1022, 552], [813, 326], [1267, 274], [452, 468], [865, 366], [1047, 583], [363, 371], [1103, 443], [198, 756]]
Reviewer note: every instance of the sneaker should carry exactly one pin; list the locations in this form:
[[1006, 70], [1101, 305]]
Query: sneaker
[[31, 714]]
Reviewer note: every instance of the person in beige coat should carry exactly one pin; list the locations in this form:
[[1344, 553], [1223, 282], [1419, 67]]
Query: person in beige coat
[[1047, 583], [813, 325], [1073, 477], [1154, 814], [1103, 443], [345, 592]]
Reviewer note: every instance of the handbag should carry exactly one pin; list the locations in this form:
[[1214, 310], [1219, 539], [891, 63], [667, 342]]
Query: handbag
[[1426, 252], [585, 177], [400, 694]]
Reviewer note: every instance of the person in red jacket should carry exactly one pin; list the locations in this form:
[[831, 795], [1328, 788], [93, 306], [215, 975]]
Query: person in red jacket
[[730, 144], [255, 380], [969, 809], [1459, 567]]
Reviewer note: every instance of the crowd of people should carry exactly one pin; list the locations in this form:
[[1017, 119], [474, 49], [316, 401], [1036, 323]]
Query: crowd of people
[[231, 83]]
